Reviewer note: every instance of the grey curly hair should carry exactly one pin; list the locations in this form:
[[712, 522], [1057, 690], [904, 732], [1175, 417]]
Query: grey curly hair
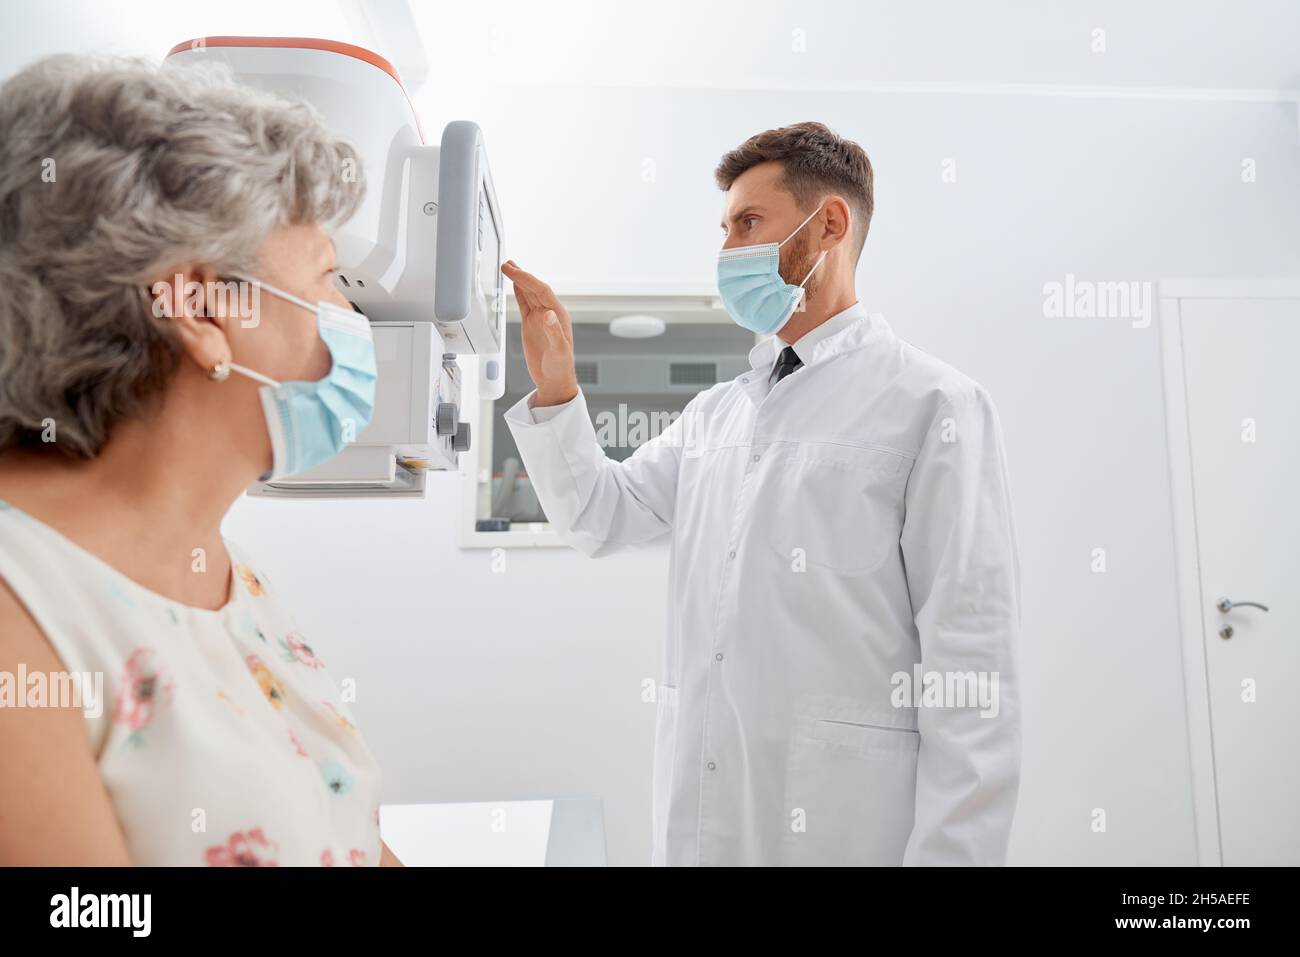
[[113, 171]]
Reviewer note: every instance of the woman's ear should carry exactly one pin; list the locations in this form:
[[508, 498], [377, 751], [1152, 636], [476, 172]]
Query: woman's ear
[[190, 299]]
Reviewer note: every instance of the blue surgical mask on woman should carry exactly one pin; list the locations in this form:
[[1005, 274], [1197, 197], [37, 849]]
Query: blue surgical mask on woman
[[751, 287], [311, 422]]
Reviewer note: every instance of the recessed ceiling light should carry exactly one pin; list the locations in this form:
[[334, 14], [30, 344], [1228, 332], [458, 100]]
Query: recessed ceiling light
[[637, 327]]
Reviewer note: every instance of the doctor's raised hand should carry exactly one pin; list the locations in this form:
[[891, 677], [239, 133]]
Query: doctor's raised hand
[[547, 338]]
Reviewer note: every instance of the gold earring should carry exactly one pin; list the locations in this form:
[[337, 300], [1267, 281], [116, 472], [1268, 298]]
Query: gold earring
[[221, 371]]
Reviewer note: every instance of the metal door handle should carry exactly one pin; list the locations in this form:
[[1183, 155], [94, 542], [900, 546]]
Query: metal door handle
[[1226, 605]]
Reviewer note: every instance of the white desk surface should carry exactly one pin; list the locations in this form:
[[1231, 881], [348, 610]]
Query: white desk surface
[[495, 833]]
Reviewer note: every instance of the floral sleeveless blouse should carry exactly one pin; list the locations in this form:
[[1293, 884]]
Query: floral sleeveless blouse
[[221, 738]]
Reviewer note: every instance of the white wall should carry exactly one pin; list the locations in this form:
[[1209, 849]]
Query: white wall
[[486, 686]]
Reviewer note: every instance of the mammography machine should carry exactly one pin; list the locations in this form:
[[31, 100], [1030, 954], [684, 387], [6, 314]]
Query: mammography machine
[[421, 257]]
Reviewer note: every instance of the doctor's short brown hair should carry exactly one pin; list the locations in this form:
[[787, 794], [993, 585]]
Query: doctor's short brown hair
[[816, 161]]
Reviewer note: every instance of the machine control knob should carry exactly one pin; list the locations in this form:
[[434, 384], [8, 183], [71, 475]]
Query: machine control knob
[[460, 441], [447, 418]]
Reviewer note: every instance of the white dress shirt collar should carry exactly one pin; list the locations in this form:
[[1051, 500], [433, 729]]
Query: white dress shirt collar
[[763, 355]]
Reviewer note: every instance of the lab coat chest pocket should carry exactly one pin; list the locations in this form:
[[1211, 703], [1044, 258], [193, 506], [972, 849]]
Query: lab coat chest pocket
[[850, 792], [842, 510], [664, 756]]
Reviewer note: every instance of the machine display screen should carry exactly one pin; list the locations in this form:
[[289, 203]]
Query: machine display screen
[[491, 282]]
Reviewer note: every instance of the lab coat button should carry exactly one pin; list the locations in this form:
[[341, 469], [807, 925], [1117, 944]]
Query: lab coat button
[[756, 457], [718, 656], [731, 554], [712, 766]]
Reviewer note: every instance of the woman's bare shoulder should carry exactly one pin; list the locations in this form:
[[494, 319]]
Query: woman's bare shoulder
[[54, 808]]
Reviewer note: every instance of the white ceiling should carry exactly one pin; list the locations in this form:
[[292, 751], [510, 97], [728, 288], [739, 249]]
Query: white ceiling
[[1188, 45], [848, 44]]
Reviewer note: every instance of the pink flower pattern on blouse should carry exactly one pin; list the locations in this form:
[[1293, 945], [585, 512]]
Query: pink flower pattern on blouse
[[244, 849], [140, 691], [295, 649], [356, 857]]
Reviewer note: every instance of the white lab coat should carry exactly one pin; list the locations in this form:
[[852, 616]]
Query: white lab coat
[[829, 532]]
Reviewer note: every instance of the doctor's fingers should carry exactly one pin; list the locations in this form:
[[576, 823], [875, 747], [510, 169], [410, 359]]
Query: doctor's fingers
[[533, 287], [531, 305], [528, 305], [559, 334], [527, 301], [532, 311]]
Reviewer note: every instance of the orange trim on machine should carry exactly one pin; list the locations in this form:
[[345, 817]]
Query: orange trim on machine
[[304, 43], [293, 43]]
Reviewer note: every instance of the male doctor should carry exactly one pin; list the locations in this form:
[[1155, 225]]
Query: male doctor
[[841, 679]]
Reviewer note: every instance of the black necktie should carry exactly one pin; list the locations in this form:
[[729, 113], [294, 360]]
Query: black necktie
[[786, 363]]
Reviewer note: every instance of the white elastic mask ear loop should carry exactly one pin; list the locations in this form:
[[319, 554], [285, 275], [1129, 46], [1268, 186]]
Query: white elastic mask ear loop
[[819, 261], [799, 227], [822, 257], [803, 295], [244, 370], [803, 290]]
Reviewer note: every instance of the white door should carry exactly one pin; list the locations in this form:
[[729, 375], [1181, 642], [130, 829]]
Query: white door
[[1241, 361]]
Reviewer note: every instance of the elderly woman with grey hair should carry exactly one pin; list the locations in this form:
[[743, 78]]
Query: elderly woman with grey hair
[[162, 708]]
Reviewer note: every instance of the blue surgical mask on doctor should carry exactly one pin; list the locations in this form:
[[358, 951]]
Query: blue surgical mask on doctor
[[751, 287], [311, 422]]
